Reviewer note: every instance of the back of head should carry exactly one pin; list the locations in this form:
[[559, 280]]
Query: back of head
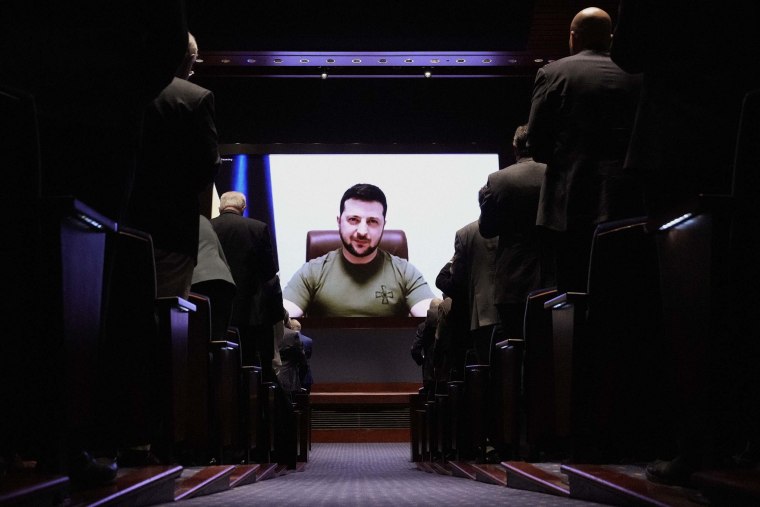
[[185, 69], [591, 29], [520, 141], [232, 201], [364, 192]]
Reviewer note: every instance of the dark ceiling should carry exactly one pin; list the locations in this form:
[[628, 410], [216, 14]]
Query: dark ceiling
[[505, 36], [254, 52]]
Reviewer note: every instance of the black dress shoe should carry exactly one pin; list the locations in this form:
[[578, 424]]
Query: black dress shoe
[[86, 471], [676, 472]]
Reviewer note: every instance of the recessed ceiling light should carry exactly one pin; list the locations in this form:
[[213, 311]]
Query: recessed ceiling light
[[251, 60], [427, 73], [461, 60], [487, 60], [278, 60], [539, 60], [408, 60], [304, 60], [435, 60], [382, 60], [225, 60], [330, 60], [356, 60]]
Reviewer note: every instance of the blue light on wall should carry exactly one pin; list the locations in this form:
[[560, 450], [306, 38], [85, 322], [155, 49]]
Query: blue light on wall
[[240, 176]]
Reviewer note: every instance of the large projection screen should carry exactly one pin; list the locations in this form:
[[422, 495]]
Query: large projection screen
[[430, 196]]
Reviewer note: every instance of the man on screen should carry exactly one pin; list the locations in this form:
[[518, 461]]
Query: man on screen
[[358, 280]]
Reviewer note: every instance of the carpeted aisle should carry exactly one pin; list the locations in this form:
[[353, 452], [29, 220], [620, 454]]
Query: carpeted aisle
[[372, 475]]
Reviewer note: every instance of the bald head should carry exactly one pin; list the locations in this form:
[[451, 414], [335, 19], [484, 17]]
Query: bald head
[[591, 29]]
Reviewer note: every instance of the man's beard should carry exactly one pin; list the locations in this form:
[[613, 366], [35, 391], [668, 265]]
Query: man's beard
[[348, 246]]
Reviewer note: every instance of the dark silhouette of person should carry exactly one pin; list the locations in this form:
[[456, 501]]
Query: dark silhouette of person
[[508, 207], [178, 161], [91, 71], [257, 307], [212, 278], [581, 116], [473, 269]]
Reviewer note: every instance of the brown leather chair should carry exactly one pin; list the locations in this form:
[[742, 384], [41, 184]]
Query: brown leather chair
[[318, 243]]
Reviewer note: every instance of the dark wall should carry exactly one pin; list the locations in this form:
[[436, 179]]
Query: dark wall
[[365, 25], [366, 110]]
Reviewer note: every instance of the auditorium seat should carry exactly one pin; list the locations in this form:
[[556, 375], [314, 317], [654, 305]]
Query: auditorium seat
[[617, 382], [542, 432], [476, 381], [213, 389], [145, 343], [51, 364], [320, 242], [503, 400]]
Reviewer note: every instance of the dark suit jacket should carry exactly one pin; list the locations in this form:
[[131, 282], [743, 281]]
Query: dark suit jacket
[[179, 159], [248, 248], [212, 263], [582, 111], [473, 270], [508, 206]]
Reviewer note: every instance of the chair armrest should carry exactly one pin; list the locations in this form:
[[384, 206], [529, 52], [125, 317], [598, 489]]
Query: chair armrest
[[566, 299], [223, 344], [175, 302]]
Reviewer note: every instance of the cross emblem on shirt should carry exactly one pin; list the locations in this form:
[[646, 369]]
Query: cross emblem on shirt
[[385, 294]]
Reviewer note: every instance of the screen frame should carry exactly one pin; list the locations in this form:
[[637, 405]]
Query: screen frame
[[260, 201]]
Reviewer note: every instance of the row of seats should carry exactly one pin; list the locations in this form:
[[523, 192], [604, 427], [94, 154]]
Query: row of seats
[[588, 377], [122, 368], [603, 373]]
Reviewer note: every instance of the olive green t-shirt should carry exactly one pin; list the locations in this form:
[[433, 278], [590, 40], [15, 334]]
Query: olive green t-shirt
[[330, 286]]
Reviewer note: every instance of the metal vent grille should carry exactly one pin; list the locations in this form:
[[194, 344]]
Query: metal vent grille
[[345, 419]]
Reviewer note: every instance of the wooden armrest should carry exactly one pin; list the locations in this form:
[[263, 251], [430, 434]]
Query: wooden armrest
[[509, 342], [223, 344], [565, 299], [175, 302]]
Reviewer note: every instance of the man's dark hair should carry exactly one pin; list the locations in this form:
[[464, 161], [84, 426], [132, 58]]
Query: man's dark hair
[[520, 141], [364, 192]]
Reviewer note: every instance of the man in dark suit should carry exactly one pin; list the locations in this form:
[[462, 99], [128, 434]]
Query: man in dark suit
[[508, 205], [212, 278], [582, 111], [179, 160], [473, 269], [258, 302]]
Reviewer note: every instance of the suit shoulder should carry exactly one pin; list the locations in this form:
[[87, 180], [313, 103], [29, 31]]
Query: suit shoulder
[[183, 90]]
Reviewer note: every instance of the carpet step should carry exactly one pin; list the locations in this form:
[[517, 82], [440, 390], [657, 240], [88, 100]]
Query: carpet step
[[441, 468], [243, 474], [202, 481], [546, 478], [491, 474], [462, 469], [623, 485], [266, 471], [730, 487], [425, 466], [30, 489], [148, 485]]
